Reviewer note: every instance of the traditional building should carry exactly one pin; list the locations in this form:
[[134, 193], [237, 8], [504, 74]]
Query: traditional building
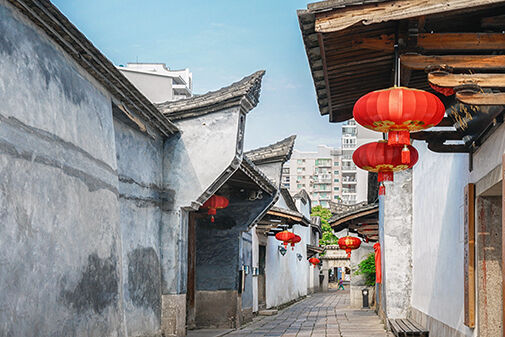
[[103, 231], [442, 265], [282, 274]]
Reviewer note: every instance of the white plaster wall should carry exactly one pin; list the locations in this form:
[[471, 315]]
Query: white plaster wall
[[286, 277], [489, 155], [255, 264], [437, 235]]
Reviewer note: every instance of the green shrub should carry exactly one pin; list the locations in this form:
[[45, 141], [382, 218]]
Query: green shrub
[[367, 268]]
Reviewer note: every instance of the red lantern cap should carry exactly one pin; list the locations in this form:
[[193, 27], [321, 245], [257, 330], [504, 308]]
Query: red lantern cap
[[398, 108], [214, 203], [383, 158], [348, 243], [314, 261], [294, 240], [284, 236]]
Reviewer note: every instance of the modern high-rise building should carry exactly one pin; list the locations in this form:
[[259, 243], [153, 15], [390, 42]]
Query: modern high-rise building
[[329, 174], [354, 179], [319, 173], [159, 83]]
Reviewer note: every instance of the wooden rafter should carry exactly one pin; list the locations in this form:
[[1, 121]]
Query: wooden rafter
[[454, 80], [461, 41], [481, 98], [477, 62], [332, 21]]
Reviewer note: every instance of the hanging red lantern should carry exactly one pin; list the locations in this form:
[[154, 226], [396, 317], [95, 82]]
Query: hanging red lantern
[[314, 261], [384, 159], [214, 203], [294, 240], [284, 236], [349, 243], [399, 111]]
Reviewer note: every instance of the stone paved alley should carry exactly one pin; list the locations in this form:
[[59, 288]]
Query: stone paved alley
[[322, 314]]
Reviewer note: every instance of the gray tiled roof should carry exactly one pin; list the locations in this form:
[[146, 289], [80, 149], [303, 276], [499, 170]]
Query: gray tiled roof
[[288, 199], [278, 152], [341, 211], [244, 92]]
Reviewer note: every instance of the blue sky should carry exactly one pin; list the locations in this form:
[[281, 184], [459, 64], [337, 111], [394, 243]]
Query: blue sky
[[221, 42]]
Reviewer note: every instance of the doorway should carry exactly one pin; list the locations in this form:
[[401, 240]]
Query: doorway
[[191, 285], [261, 278], [489, 262]]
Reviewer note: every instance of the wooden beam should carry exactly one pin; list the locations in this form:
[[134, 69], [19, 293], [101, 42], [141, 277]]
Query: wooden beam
[[342, 18], [461, 41], [421, 62], [481, 98], [442, 148], [439, 135], [454, 80], [469, 257], [385, 42]]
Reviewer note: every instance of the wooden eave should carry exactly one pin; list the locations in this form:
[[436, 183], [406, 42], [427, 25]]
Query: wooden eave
[[350, 47]]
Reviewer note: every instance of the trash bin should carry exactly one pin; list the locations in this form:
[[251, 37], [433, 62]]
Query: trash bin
[[364, 292]]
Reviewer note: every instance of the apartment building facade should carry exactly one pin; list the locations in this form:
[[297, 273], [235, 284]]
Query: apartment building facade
[[329, 174], [158, 82], [319, 173]]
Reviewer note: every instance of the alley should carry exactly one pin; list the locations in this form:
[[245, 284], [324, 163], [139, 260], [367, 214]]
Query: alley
[[321, 314]]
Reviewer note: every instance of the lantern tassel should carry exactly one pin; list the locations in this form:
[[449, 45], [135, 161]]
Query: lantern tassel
[[405, 155], [382, 189], [212, 218]]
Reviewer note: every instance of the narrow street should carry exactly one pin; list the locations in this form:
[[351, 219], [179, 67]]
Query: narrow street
[[321, 314]]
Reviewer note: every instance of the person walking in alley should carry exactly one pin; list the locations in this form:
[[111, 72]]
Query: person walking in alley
[[340, 284]]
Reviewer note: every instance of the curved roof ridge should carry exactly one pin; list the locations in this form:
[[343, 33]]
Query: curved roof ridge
[[244, 92], [277, 152]]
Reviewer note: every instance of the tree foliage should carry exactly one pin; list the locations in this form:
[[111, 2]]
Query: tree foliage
[[328, 238], [367, 268]]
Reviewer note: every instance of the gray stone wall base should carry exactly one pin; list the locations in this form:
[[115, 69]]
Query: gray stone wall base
[[436, 327], [173, 315], [216, 308]]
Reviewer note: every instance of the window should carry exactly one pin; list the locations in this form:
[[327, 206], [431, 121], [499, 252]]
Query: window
[[335, 163], [335, 188], [300, 161], [335, 172], [285, 170], [300, 177], [300, 169], [336, 197], [300, 185]]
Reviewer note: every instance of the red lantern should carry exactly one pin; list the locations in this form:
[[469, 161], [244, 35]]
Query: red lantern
[[214, 203], [384, 159], [294, 240], [314, 261], [349, 243], [284, 236], [399, 111]]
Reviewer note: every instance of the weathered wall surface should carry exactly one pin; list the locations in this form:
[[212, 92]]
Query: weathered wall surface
[[219, 259], [437, 257], [286, 276], [141, 197], [489, 263], [396, 244], [59, 212], [192, 161]]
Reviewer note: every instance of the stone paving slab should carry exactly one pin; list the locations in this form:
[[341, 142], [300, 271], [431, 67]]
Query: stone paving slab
[[320, 315]]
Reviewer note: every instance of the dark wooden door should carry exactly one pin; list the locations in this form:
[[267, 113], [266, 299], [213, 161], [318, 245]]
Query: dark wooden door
[[191, 289], [261, 278]]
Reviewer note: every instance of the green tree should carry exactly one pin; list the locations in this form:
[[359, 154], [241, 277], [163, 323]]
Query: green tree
[[367, 267], [328, 237]]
